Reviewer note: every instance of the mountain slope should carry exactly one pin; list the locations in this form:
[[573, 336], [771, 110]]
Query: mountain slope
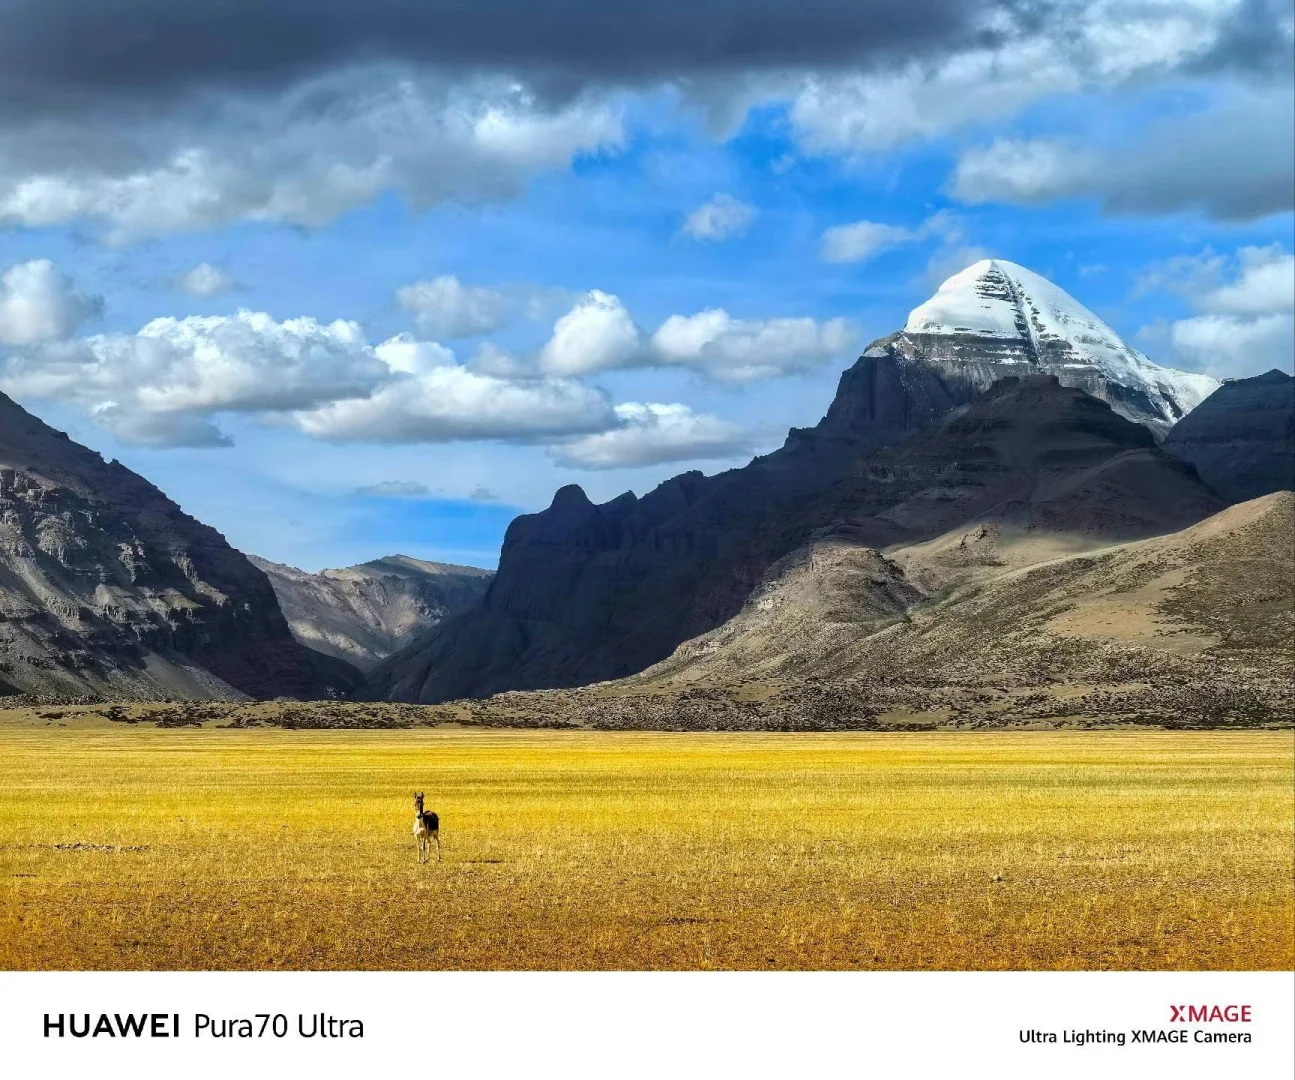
[[107, 588], [1242, 437], [996, 318], [1188, 629], [587, 593], [364, 613], [1219, 591]]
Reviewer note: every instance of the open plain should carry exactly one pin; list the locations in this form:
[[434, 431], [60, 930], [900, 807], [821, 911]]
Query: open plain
[[143, 847]]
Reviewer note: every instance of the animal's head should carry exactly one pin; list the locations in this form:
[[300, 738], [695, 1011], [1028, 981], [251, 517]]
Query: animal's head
[[418, 802]]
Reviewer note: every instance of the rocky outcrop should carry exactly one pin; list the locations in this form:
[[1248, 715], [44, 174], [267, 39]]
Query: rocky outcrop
[[108, 589], [1242, 437], [367, 612]]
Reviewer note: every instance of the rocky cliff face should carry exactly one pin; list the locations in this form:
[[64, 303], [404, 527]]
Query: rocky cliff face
[[1242, 438], [364, 613], [107, 588], [587, 593]]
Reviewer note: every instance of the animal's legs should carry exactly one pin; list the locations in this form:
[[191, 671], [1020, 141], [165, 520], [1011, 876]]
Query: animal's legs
[[437, 836]]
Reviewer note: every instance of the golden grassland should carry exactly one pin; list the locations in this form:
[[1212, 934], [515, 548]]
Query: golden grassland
[[205, 848]]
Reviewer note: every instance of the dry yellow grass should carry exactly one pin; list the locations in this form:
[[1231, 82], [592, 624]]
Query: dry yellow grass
[[272, 849]]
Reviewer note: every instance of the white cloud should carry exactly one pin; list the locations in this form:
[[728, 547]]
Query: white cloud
[[1235, 160], [861, 240], [303, 157], [1231, 346], [407, 355], [1253, 281], [653, 434], [490, 359], [304, 150], [445, 307], [1076, 48], [205, 280], [169, 383], [1265, 283], [166, 384], [851, 113], [740, 350], [1029, 171], [722, 217], [203, 364], [598, 334], [38, 303], [1246, 309], [1188, 275], [444, 402], [595, 335]]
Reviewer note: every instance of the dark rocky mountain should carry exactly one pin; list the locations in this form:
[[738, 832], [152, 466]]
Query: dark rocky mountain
[[1242, 437], [364, 613], [907, 452], [1187, 629], [108, 589]]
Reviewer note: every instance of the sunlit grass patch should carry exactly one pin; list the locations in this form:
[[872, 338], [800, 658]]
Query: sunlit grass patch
[[232, 849]]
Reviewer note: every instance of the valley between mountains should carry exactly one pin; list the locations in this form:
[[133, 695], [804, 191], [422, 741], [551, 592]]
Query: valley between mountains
[[1007, 517]]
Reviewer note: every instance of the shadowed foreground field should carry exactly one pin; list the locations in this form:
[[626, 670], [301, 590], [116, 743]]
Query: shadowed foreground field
[[271, 849]]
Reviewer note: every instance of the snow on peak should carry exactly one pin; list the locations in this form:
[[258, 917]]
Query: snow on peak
[[997, 312]]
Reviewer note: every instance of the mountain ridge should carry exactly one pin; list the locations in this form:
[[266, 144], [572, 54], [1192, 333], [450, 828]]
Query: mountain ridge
[[1241, 439], [107, 588], [365, 612]]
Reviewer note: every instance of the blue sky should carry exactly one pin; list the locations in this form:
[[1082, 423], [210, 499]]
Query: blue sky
[[959, 153]]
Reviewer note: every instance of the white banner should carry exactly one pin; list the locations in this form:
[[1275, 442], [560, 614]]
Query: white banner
[[945, 1024]]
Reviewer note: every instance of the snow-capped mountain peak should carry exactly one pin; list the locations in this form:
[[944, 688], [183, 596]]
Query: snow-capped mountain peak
[[998, 316]]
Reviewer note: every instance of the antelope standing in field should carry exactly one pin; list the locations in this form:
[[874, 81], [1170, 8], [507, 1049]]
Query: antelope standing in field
[[427, 827]]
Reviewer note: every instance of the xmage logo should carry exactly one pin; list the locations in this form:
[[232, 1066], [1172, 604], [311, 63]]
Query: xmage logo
[[1206, 1014]]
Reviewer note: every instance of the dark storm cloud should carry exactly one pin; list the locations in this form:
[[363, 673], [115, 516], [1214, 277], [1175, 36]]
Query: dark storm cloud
[[1234, 162], [55, 53], [1254, 38]]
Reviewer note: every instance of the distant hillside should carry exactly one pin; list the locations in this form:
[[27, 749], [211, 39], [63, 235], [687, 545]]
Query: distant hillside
[[364, 613], [108, 589], [1242, 437]]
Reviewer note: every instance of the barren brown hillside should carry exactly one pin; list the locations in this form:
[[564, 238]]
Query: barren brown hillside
[[985, 627]]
